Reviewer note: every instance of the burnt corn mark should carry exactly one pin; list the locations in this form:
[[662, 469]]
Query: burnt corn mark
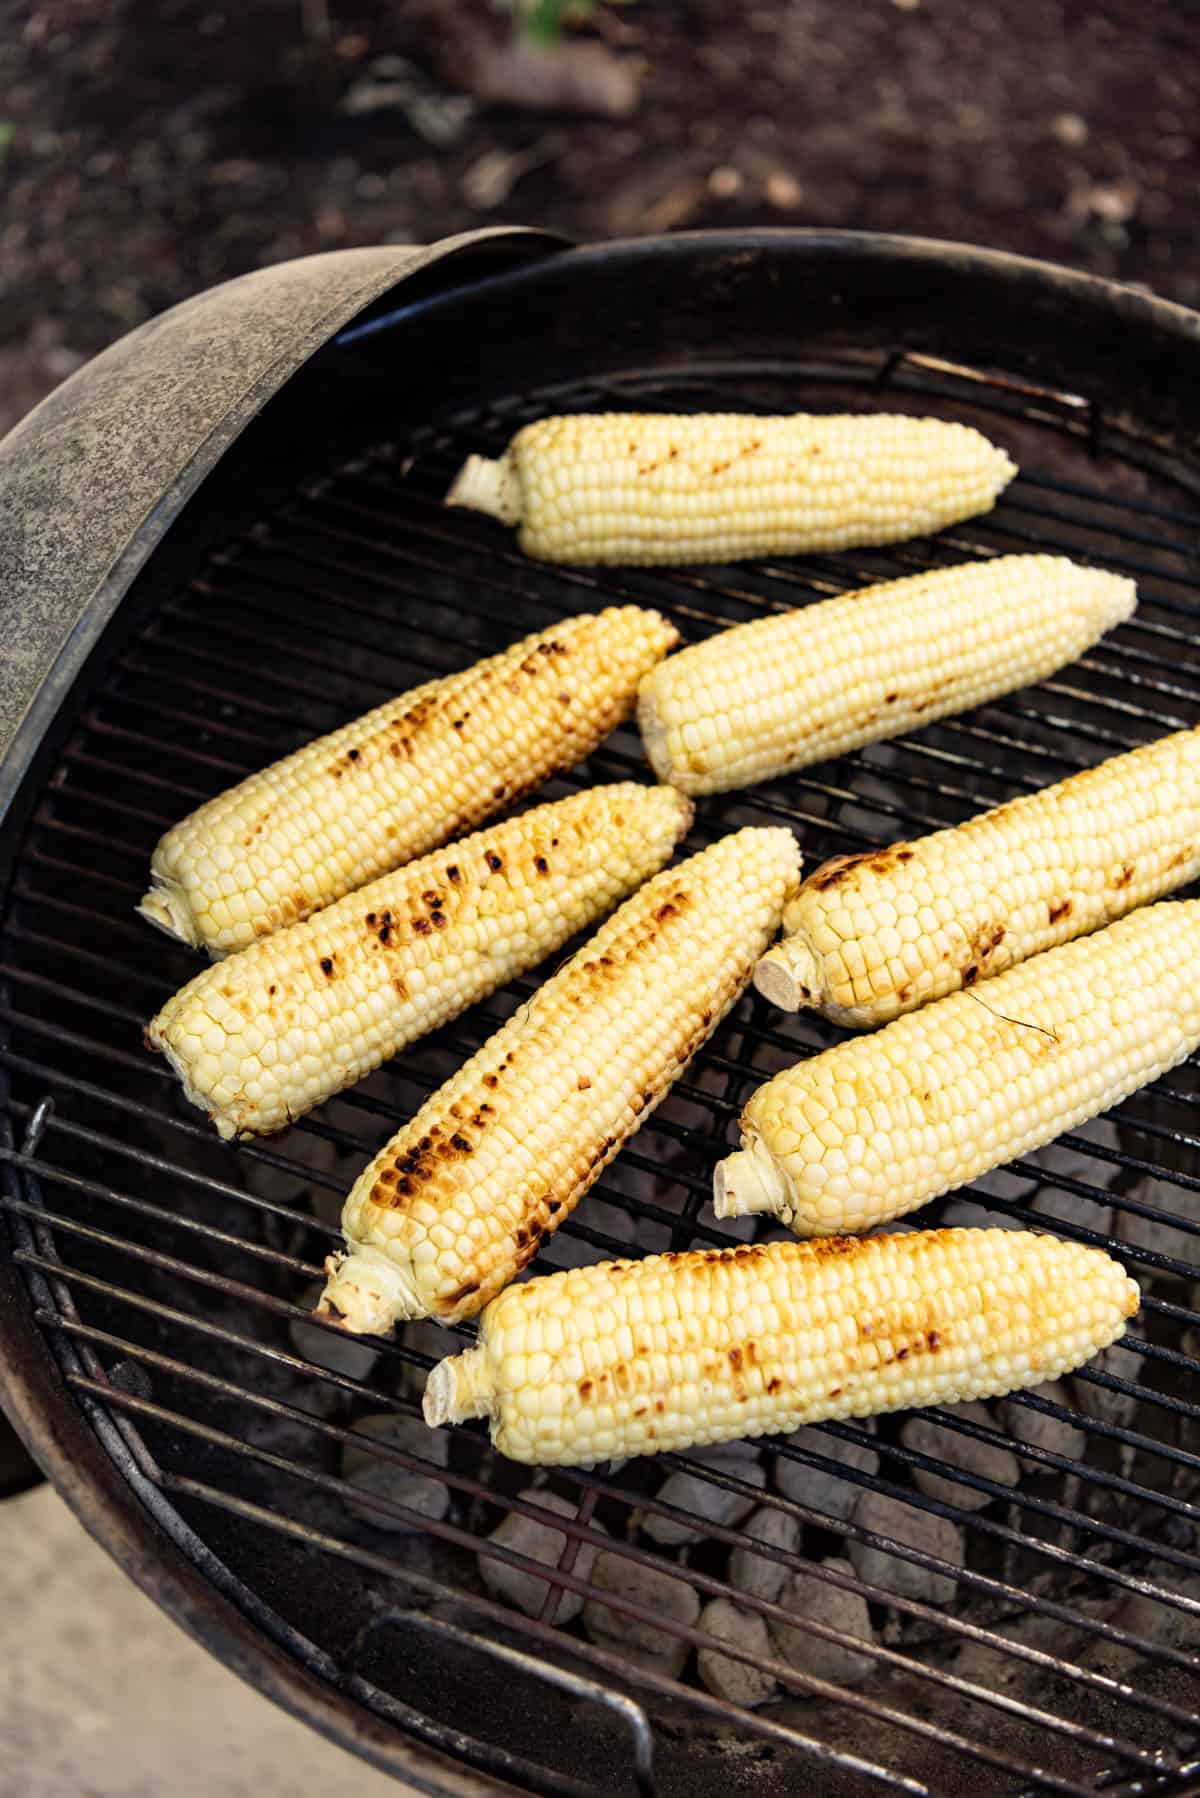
[[495, 862], [986, 939], [271, 991], [399, 987], [327, 966], [541, 864], [354, 755], [904, 994], [490, 1081], [970, 974], [827, 1248], [735, 1358], [585, 1390], [453, 875], [1128, 869], [422, 926], [385, 934], [841, 867], [1060, 908], [582, 1084], [774, 1386], [890, 698], [554, 1206], [465, 1291]]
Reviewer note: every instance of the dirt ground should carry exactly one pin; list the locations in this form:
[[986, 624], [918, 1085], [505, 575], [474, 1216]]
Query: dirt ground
[[149, 148]]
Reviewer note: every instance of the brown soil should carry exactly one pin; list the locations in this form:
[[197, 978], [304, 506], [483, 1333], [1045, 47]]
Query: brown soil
[[158, 146]]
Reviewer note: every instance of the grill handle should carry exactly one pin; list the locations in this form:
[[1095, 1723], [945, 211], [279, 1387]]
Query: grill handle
[[629, 1713]]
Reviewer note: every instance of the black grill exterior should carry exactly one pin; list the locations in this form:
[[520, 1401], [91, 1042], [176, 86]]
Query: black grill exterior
[[162, 1270]]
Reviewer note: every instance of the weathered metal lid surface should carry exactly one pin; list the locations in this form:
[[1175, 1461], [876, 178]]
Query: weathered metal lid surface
[[92, 478]]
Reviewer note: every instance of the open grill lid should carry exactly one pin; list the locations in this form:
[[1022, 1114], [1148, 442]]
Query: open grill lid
[[147, 1312]]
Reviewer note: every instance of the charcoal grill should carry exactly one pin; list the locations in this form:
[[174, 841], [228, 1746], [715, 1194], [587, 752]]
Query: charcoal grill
[[225, 537]]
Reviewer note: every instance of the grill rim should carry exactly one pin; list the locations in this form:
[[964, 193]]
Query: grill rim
[[59, 1433]]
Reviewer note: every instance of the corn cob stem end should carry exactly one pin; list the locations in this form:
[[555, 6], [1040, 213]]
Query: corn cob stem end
[[166, 907], [366, 1294], [748, 1181], [483, 485], [789, 975], [457, 1388]]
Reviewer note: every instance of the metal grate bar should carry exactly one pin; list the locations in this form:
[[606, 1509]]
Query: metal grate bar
[[696, 1637], [579, 1531], [1103, 1531], [498, 1614]]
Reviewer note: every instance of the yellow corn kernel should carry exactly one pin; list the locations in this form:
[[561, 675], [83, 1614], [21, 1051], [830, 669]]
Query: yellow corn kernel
[[659, 487], [842, 1328], [457, 1203], [399, 781], [880, 1124], [771, 696], [261, 1038], [1001, 887]]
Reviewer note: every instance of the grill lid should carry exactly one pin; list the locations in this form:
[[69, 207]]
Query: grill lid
[[92, 478]]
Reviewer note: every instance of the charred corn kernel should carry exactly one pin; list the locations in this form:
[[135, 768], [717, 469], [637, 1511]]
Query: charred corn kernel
[[949, 909], [634, 1357], [399, 781], [260, 1039], [630, 488], [456, 1204], [767, 697], [881, 1124]]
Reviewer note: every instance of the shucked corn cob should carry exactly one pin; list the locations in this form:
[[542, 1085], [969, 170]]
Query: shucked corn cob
[[874, 935], [768, 697], [634, 1357], [456, 1204], [399, 781], [630, 487], [880, 1124], [263, 1037]]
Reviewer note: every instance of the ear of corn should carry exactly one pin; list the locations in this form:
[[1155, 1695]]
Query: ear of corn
[[876, 935], [457, 1203], [643, 488], [634, 1357], [399, 781], [771, 696], [880, 1124], [263, 1037]]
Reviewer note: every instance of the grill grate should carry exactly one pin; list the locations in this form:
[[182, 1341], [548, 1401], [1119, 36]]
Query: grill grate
[[167, 1268]]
